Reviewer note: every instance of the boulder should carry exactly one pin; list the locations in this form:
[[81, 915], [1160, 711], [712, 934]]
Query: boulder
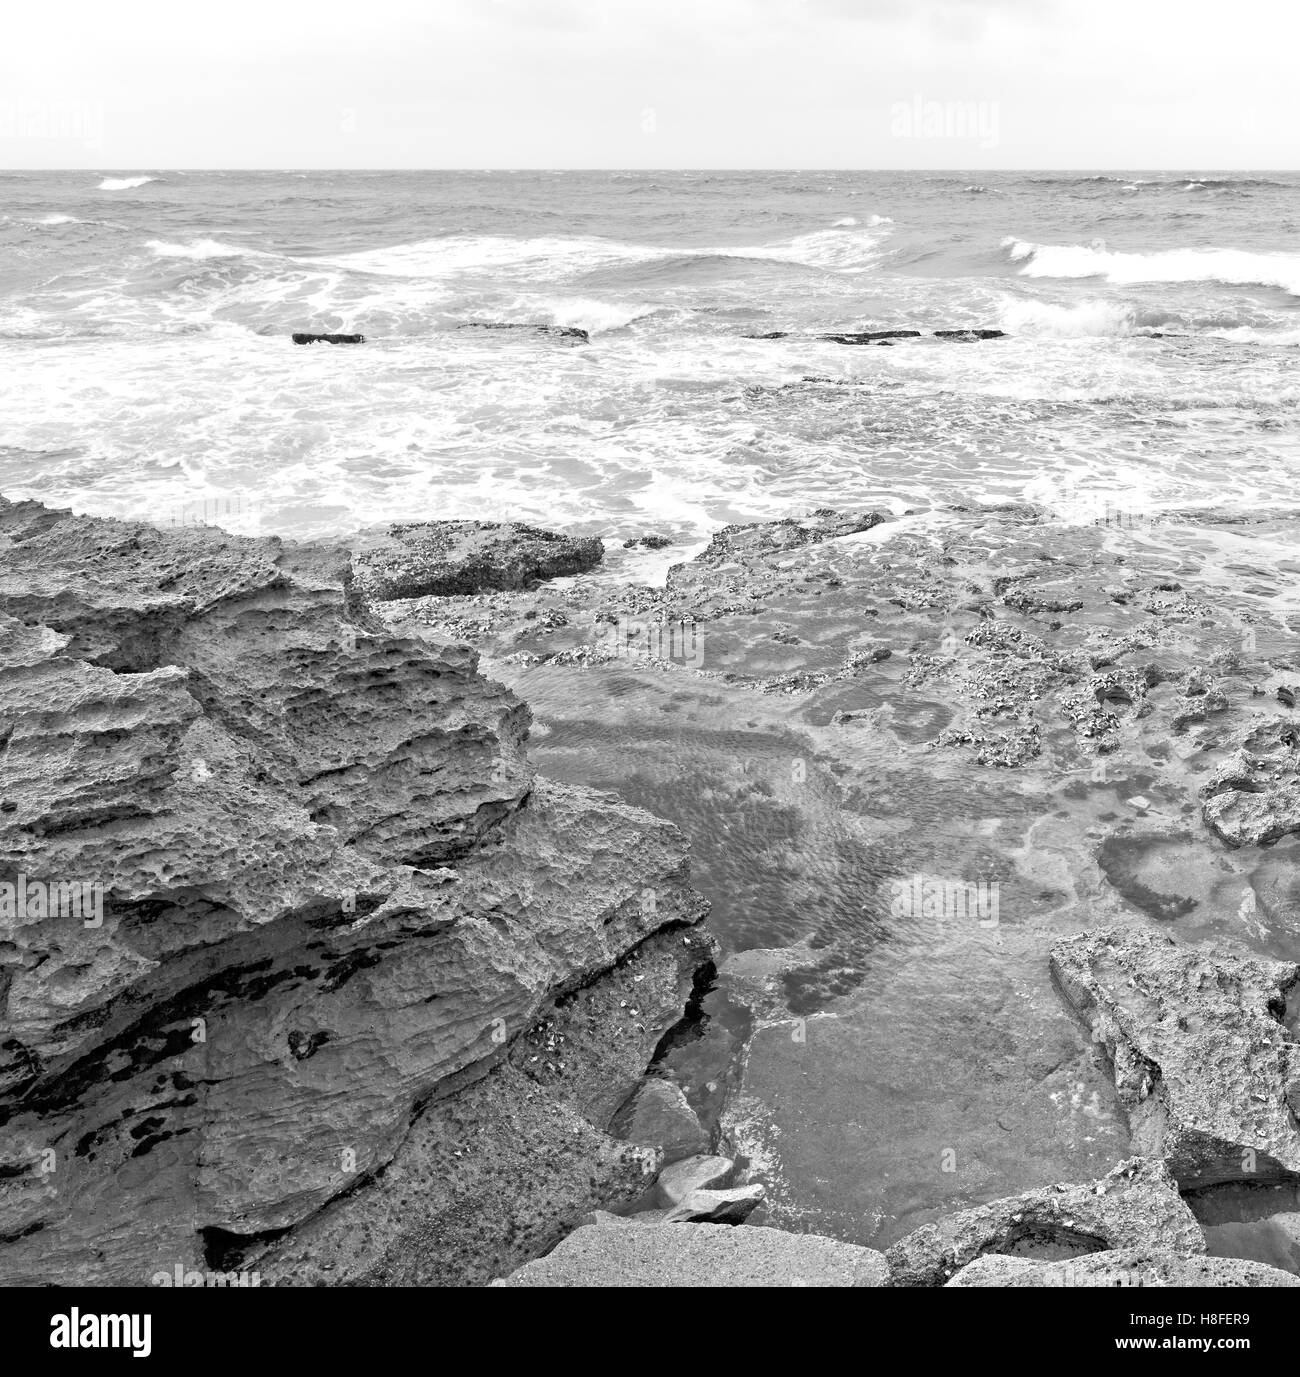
[[1203, 1067], [444, 558], [629, 1254], [1137, 1204], [969, 336], [326, 924]]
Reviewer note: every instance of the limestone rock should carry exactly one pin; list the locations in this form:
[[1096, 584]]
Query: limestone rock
[[1136, 1204], [333, 900], [1122, 1267], [1202, 1063], [631, 1254], [448, 557]]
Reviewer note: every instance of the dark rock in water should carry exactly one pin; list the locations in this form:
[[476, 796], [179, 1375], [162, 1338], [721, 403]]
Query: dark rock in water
[[556, 331], [444, 558], [650, 542], [658, 1115], [302, 338], [289, 1033], [789, 533], [966, 336], [1201, 1060], [870, 336], [771, 334]]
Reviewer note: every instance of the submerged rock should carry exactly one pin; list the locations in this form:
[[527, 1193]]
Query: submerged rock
[[443, 558], [630, 1254], [1122, 1267], [1137, 1204], [870, 336], [567, 332], [1203, 1067], [658, 1115], [300, 337]]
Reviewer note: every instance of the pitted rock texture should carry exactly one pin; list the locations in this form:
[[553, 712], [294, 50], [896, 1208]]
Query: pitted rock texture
[[1204, 1068], [332, 893], [1122, 1267], [626, 1253], [1136, 1204], [443, 558]]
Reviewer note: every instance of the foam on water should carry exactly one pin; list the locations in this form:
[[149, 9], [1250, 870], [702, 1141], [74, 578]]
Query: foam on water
[[124, 183], [1232, 266]]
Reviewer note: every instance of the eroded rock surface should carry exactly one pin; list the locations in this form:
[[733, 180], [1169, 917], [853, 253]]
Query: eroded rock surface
[[334, 901], [1204, 1068], [630, 1254], [439, 558], [1122, 1267], [1137, 1204]]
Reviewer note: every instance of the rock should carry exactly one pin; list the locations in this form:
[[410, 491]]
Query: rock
[[443, 558], [658, 1115], [649, 542], [567, 332], [692, 1174], [1122, 1267], [870, 336], [302, 338], [702, 1255], [338, 916], [1201, 1061], [1253, 799], [968, 336], [718, 1207], [1137, 1204], [762, 538]]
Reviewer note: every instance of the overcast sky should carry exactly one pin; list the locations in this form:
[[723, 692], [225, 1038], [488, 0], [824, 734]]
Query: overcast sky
[[130, 85]]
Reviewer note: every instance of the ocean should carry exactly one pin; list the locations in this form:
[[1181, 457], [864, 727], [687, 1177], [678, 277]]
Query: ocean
[[1152, 325]]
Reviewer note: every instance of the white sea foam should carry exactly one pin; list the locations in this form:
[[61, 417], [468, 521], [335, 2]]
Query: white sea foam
[[845, 222], [202, 248], [1081, 318], [1234, 267], [58, 220], [123, 183]]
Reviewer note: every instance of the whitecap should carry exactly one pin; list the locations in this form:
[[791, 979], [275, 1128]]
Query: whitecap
[[123, 183]]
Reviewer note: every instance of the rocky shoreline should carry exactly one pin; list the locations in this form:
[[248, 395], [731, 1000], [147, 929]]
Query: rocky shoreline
[[995, 816]]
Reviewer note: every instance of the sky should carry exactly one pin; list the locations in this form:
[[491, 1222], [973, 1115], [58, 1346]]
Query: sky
[[139, 85]]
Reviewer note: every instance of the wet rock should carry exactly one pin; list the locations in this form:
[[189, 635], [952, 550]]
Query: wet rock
[[301, 337], [658, 1115], [632, 1254], [870, 336], [648, 542], [1137, 1204], [968, 336], [683, 1178], [443, 558], [732, 1206], [1254, 797], [1202, 1064], [565, 332], [1122, 1267]]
